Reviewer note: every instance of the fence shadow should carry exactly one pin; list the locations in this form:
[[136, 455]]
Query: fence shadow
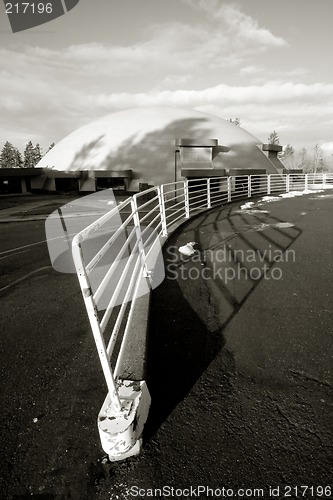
[[180, 348], [187, 318]]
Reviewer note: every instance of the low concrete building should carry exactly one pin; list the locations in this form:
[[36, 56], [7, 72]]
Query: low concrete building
[[18, 180]]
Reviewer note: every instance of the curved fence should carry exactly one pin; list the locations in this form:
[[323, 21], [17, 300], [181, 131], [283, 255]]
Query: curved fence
[[119, 263]]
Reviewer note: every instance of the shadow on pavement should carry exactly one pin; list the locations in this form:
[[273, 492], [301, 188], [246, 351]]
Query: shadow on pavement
[[188, 315], [180, 348]]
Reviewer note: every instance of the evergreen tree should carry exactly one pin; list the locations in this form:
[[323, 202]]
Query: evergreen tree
[[51, 146], [288, 157], [288, 151], [8, 156], [29, 155], [37, 152], [274, 138], [19, 161]]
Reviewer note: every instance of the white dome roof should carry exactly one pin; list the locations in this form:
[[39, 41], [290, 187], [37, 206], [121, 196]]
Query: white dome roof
[[143, 140]]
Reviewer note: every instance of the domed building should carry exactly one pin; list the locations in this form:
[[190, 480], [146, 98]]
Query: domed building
[[142, 147]]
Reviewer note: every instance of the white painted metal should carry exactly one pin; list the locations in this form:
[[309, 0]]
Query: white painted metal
[[158, 208], [94, 323], [209, 200]]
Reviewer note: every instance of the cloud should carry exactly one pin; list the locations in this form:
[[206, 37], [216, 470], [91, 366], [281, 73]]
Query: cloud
[[251, 70], [269, 93], [247, 28], [51, 91], [175, 81], [241, 27], [223, 40], [260, 74], [51, 105], [300, 113]]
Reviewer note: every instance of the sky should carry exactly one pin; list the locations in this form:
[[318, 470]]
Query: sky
[[267, 62]]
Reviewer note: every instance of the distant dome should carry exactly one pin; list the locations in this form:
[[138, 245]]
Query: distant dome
[[143, 140]]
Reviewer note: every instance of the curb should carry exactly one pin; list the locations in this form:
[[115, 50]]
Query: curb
[[44, 217]]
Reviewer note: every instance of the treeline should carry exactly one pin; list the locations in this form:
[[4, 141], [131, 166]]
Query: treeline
[[10, 156], [309, 161], [313, 160]]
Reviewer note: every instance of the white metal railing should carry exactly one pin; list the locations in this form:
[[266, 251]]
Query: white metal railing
[[118, 257]]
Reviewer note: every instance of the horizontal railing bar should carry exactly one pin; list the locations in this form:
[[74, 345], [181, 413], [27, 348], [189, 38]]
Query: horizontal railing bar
[[145, 192], [195, 203], [142, 219], [175, 219], [103, 284], [218, 195], [175, 201], [120, 316], [149, 202], [150, 225], [94, 226], [198, 196], [175, 212], [177, 183], [109, 308], [91, 265], [126, 332], [146, 242]]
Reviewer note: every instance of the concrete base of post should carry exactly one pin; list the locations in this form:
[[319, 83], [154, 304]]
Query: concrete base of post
[[121, 433]]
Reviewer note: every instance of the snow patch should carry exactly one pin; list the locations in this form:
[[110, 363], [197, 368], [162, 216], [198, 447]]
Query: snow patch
[[268, 199], [247, 205], [187, 249], [292, 194]]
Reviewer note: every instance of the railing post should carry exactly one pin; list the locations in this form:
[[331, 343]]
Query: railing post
[[306, 183], [249, 187], [229, 188], [161, 202], [268, 184], [95, 326], [186, 199], [324, 179], [287, 183], [136, 219], [209, 201]]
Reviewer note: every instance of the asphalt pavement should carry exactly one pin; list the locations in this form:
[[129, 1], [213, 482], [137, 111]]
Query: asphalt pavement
[[239, 363]]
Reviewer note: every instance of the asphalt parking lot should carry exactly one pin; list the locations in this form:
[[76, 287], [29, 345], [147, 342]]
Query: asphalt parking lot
[[239, 362]]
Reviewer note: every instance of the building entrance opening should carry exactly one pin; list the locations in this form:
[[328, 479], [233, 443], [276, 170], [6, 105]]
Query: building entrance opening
[[116, 183], [66, 185]]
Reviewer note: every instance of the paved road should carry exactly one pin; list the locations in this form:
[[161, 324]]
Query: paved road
[[240, 370], [52, 387], [249, 360]]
